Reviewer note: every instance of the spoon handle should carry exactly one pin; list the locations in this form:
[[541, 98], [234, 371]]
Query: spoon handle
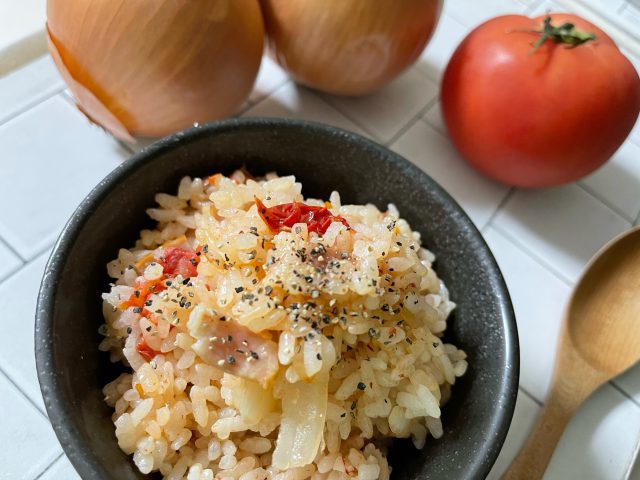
[[532, 460], [573, 381]]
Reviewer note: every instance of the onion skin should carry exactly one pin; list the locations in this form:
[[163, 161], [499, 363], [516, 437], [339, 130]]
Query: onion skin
[[152, 67], [349, 47]]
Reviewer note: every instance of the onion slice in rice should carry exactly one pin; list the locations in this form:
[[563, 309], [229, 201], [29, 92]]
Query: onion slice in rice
[[304, 410]]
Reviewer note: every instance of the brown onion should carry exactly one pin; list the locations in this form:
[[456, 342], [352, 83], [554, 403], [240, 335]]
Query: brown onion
[[348, 47], [151, 67]]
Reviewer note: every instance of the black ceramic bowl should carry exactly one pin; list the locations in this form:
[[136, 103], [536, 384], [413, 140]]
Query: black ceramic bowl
[[72, 371]]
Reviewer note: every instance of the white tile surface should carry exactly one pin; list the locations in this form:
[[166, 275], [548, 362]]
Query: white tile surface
[[618, 181], [599, 441], [448, 35], [385, 112], [540, 239], [18, 306], [433, 117], [629, 381], [27, 86], [61, 470], [270, 77], [563, 227], [539, 298], [29, 444], [21, 32], [524, 417], [472, 13], [45, 152], [8, 261], [432, 152], [292, 101]]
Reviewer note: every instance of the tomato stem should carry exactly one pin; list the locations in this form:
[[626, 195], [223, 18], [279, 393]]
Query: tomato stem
[[566, 33]]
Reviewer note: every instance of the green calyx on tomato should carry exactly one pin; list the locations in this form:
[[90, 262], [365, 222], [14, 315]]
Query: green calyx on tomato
[[566, 33]]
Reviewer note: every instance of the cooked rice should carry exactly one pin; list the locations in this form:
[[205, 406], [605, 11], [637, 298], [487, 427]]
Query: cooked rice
[[357, 316]]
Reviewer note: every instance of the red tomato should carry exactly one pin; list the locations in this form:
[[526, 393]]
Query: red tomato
[[145, 350], [178, 261], [142, 290], [287, 215], [536, 117]]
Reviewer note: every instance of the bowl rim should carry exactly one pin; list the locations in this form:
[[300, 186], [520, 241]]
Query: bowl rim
[[60, 415]]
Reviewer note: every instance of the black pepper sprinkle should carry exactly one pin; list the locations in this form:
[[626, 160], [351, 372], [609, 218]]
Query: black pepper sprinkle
[[168, 283], [229, 338], [268, 289], [239, 289], [185, 281], [148, 303], [343, 415], [231, 360], [353, 405], [136, 293], [361, 386], [435, 344], [137, 310], [254, 355], [129, 330], [148, 329], [318, 356], [409, 341]]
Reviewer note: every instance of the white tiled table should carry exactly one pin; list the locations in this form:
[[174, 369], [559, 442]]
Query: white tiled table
[[541, 239]]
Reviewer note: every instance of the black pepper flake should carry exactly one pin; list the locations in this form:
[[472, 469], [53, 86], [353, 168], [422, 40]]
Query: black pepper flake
[[223, 318], [268, 289], [409, 341], [229, 338], [136, 293], [240, 351], [231, 360], [373, 333], [435, 344], [148, 303], [186, 280], [129, 330], [385, 307], [168, 282], [318, 356], [343, 415], [137, 310], [361, 386], [254, 355], [353, 405], [239, 289]]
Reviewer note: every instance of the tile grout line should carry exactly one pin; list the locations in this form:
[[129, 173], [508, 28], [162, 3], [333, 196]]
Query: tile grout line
[[48, 467], [605, 202], [531, 396], [27, 397], [323, 97], [25, 264], [412, 122], [626, 394], [533, 255], [498, 208], [266, 94], [13, 250], [31, 105]]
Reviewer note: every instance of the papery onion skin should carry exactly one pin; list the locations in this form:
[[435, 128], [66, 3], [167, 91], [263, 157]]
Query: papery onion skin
[[152, 67], [348, 47]]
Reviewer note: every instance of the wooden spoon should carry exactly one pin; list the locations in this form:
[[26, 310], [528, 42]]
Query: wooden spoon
[[600, 338]]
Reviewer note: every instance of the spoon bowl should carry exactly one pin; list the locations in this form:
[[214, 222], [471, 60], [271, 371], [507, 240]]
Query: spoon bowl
[[599, 340], [604, 312]]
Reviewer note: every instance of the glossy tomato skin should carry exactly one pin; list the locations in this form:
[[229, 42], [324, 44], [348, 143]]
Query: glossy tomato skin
[[538, 118]]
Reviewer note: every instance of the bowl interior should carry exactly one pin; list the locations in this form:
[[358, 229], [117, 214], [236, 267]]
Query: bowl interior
[[72, 371]]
